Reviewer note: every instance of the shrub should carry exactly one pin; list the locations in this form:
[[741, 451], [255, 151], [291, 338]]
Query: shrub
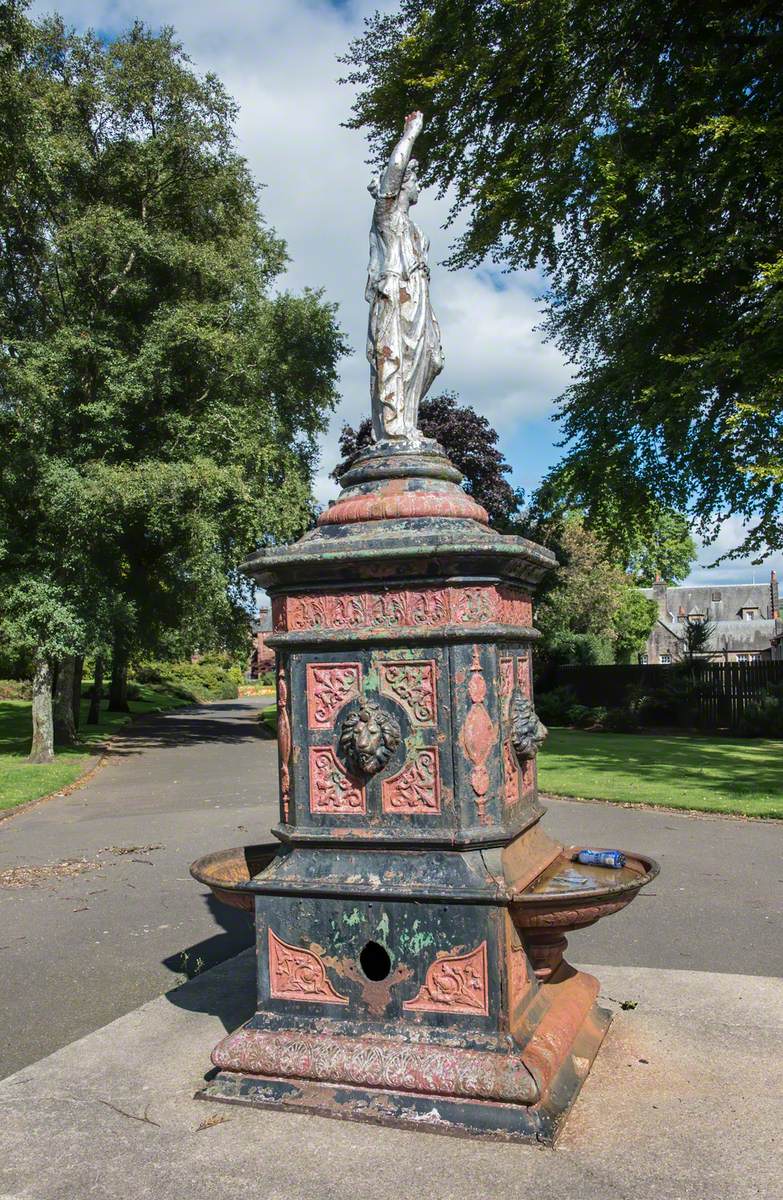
[[621, 720], [584, 717], [16, 689], [552, 707], [764, 717], [579, 714], [211, 678]]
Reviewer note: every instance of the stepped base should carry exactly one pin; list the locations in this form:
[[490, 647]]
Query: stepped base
[[435, 1112]]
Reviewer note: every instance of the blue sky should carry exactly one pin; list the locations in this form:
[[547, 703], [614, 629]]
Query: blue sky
[[278, 58]]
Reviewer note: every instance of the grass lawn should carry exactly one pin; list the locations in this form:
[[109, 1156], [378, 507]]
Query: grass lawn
[[269, 717], [21, 781], [710, 774]]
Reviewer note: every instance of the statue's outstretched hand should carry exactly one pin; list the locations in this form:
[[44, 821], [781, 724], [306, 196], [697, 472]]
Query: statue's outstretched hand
[[414, 123]]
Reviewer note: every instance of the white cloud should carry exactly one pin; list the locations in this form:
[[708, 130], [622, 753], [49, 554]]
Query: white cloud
[[741, 570]]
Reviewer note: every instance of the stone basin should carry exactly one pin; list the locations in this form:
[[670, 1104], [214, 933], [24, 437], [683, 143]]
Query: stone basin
[[568, 896], [226, 871]]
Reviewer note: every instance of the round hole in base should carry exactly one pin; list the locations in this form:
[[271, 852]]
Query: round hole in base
[[374, 961]]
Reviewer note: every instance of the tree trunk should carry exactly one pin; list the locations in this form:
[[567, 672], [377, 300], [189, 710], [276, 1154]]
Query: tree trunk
[[94, 715], [78, 676], [64, 728], [42, 748], [118, 689]]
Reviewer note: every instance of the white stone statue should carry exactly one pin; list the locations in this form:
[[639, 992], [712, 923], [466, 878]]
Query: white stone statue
[[403, 337]]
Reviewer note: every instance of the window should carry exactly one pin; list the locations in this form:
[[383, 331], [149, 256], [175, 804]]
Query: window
[[715, 596], [643, 660], [666, 658], [742, 658], [749, 614]]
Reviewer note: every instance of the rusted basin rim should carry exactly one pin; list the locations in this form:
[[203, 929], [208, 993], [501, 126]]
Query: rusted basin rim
[[568, 899]]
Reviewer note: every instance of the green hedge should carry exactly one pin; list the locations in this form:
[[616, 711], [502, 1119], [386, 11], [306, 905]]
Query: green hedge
[[210, 678]]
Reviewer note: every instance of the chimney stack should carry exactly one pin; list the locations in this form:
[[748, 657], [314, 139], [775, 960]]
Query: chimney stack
[[774, 595]]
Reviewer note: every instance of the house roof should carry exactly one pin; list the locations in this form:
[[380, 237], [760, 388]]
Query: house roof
[[718, 602], [736, 636]]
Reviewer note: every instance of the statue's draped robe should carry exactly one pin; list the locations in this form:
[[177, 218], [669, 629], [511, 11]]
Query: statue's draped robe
[[403, 337]]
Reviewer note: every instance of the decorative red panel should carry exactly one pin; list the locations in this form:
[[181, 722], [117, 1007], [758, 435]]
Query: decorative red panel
[[455, 983], [416, 788], [297, 974], [510, 774], [411, 684], [518, 980], [331, 789], [398, 608], [479, 734], [284, 741], [329, 686], [474, 605], [430, 606], [523, 675]]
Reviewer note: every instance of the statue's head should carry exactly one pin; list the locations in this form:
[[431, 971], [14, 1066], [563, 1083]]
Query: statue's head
[[368, 738], [410, 181]]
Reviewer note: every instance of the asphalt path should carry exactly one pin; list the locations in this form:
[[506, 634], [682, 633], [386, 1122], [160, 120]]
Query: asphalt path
[[79, 950]]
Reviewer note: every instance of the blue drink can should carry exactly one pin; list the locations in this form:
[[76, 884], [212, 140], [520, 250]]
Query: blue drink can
[[601, 858]]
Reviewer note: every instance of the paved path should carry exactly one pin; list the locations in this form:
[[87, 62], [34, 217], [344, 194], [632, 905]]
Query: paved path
[[79, 951]]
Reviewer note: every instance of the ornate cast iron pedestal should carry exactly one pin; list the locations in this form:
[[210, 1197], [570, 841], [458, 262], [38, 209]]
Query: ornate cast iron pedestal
[[410, 923]]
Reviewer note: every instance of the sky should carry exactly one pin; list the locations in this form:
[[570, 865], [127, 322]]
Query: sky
[[278, 58]]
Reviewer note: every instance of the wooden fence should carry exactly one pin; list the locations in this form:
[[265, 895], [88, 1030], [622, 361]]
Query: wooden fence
[[723, 692]]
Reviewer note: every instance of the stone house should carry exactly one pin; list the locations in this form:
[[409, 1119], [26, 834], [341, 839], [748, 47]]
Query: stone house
[[262, 658], [746, 617]]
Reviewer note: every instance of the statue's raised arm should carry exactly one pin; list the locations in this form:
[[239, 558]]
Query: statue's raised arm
[[392, 179], [403, 337]]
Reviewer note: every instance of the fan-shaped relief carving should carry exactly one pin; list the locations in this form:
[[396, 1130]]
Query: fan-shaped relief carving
[[298, 974], [454, 983], [368, 738]]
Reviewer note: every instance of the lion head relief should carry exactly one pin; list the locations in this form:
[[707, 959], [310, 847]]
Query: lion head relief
[[527, 730], [368, 738]]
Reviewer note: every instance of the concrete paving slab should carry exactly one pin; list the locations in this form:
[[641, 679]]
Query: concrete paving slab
[[685, 1103]]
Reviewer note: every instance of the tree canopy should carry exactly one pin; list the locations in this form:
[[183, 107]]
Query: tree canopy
[[635, 154], [160, 398]]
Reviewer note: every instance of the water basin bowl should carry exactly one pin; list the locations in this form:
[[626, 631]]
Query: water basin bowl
[[568, 896], [226, 871]]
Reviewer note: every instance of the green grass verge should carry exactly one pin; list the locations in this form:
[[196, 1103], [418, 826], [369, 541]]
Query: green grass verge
[[21, 781], [269, 718], [720, 775]]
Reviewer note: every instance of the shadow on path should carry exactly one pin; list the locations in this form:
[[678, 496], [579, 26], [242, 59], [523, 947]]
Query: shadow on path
[[235, 1004], [191, 727]]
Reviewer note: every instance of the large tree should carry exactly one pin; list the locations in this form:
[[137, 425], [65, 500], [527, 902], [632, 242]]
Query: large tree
[[590, 609], [635, 154], [159, 401]]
